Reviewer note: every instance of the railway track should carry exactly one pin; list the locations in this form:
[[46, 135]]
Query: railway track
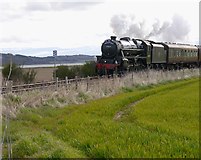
[[44, 85]]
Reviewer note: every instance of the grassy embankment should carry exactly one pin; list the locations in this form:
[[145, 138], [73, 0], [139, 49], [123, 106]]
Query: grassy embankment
[[153, 121]]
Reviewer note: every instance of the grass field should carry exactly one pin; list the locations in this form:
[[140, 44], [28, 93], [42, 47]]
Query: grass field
[[154, 121]]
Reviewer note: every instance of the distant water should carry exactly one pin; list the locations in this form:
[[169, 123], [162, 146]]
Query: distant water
[[48, 65]]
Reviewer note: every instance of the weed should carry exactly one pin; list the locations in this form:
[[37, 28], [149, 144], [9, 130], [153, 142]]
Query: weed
[[126, 89], [83, 97], [24, 148]]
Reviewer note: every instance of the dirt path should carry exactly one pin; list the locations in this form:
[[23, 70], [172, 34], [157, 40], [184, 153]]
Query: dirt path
[[126, 109]]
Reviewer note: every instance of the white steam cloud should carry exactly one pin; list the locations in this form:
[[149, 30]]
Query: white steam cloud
[[176, 30]]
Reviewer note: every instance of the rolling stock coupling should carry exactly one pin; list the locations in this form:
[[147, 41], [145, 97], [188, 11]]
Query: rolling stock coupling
[[125, 54]]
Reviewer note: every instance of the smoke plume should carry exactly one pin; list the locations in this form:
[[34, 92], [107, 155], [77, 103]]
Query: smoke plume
[[175, 30]]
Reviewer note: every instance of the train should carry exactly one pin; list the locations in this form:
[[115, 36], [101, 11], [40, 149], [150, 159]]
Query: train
[[129, 54]]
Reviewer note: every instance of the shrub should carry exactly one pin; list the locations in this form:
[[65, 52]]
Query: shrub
[[63, 71], [88, 69], [29, 77], [15, 74]]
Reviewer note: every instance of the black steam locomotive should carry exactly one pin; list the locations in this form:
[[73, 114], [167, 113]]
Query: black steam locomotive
[[134, 54]]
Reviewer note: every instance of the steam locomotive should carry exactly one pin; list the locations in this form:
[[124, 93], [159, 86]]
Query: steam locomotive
[[133, 54]]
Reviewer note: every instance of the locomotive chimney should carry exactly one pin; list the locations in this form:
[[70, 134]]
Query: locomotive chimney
[[113, 38]]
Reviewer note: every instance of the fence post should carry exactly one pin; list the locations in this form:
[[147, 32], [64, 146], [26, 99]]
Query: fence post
[[99, 81], [10, 86], [66, 81], [57, 79], [43, 85], [88, 79], [76, 81], [183, 73]]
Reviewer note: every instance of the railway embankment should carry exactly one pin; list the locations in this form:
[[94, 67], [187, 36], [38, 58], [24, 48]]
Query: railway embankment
[[77, 92]]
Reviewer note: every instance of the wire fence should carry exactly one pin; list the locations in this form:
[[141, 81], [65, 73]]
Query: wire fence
[[9, 88], [136, 78]]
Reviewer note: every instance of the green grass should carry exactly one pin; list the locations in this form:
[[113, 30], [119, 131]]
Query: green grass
[[164, 123]]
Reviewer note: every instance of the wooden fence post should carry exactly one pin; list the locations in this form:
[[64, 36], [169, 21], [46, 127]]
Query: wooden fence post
[[76, 82], [183, 73], [43, 85], [88, 79], [57, 85], [66, 81], [147, 75], [9, 86]]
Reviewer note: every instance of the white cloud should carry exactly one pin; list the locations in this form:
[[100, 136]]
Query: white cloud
[[59, 6]]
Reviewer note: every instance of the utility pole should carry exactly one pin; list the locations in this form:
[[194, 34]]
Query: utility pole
[[11, 65], [54, 55]]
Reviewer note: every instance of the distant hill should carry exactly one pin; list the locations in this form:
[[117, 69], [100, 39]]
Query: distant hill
[[29, 60]]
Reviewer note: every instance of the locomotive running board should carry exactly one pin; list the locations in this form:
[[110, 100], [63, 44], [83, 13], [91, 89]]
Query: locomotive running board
[[133, 49]]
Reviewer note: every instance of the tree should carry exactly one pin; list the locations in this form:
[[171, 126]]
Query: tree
[[16, 73], [88, 69], [77, 70], [64, 71]]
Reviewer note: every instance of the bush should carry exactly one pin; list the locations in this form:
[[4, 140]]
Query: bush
[[17, 75], [29, 77], [77, 70], [16, 72], [88, 69], [63, 71]]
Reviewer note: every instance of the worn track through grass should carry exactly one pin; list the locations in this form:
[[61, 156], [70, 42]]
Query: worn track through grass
[[126, 109]]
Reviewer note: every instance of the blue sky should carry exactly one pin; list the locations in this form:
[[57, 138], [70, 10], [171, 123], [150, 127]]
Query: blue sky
[[35, 28]]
